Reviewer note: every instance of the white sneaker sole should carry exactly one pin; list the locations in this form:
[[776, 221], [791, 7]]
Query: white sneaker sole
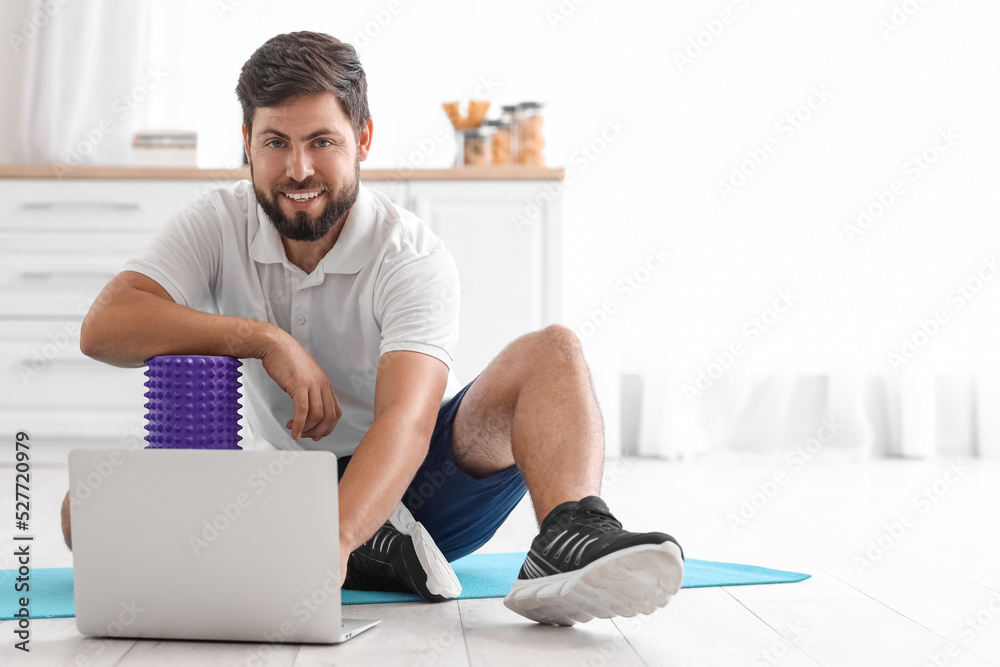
[[441, 578], [636, 580]]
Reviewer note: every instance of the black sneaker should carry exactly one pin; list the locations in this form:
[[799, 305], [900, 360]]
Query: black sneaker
[[583, 565], [401, 556]]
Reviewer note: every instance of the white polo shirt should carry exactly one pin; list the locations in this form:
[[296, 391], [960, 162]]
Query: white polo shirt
[[387, 284]]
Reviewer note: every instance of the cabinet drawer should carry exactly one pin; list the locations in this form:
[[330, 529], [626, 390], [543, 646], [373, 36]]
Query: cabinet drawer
[[41, 366], [58, 297], [86, 204], [52, 273], [55, 247], [55, 432], [62, 241]]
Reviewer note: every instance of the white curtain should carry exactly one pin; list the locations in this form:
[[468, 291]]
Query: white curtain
[[918, 415], [86, 82], [100, 70]]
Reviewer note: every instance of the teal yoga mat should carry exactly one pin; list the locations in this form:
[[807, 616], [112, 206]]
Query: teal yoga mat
[[482, 576]]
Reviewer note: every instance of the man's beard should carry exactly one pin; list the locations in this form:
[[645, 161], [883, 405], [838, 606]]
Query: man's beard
[[301, 227]]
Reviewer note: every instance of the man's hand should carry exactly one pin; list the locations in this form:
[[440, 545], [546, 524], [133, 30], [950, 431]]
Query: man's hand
[[316, 410], [67, 533], [113, 333], [345, 553]]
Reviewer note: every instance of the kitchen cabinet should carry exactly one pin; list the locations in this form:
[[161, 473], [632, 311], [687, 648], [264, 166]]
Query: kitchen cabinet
[[508, 254], [61, 240]]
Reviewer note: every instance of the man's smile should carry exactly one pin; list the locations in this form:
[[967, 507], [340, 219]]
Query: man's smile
[[303, 200], [302, 195]]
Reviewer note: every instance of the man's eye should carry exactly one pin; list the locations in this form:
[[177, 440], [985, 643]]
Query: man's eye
[[271, 143], [324, 143]]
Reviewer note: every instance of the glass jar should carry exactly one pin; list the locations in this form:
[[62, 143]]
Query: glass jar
[[475, 147], [501, 141], [530, 137], [508, 116]]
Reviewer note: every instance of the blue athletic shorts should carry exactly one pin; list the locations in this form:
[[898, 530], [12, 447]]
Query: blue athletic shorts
[[460, 512]]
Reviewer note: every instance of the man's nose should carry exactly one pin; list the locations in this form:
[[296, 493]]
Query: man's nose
[[299, 165]]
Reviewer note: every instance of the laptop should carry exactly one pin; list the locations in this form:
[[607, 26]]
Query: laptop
[[226, 545]]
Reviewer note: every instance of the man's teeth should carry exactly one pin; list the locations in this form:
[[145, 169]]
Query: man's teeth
[[301, 197]]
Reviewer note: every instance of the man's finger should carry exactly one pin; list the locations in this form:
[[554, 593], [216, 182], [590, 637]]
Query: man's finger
[[315, 415], [324, 414], [300, 401], [330, 411], [336, 407]]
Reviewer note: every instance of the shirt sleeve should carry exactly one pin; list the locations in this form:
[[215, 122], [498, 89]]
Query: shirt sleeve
[[184, 256], [417, 302]]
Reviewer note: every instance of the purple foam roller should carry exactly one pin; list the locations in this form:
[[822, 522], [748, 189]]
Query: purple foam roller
[[193, 402]]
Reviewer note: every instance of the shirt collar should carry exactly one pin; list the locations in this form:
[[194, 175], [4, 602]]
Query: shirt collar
[[348, 254]]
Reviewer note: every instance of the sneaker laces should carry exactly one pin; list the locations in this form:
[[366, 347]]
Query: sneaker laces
[[598, 520]]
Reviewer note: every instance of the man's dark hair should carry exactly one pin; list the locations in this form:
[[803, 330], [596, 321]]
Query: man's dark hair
[[304, 63]]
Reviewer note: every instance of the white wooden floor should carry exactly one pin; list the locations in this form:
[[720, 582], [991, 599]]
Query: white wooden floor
[[932, 597]]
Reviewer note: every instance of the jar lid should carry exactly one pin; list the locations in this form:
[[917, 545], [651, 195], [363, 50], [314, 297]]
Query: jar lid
[[509, 107], [530, 105], [497, 123], [478, 132]]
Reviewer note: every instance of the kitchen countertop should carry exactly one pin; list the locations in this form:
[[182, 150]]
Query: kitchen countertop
[[498, 173]]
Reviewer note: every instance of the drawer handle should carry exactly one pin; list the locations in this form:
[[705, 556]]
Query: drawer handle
[[49, 275], [28, 362], [81, 205]]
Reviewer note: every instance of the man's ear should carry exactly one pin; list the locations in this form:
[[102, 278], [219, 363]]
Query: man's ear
[[365, 142], [246, 141]]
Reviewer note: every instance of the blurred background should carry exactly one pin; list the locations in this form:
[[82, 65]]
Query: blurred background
[[779, 219]]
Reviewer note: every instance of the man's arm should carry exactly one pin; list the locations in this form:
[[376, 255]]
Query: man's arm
[[409, 387], [134, 318]]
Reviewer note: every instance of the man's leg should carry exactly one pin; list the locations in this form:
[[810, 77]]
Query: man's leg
[[534, 407]]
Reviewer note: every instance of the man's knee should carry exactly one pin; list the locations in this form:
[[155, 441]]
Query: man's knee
[[558, 343], [521, 360]]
